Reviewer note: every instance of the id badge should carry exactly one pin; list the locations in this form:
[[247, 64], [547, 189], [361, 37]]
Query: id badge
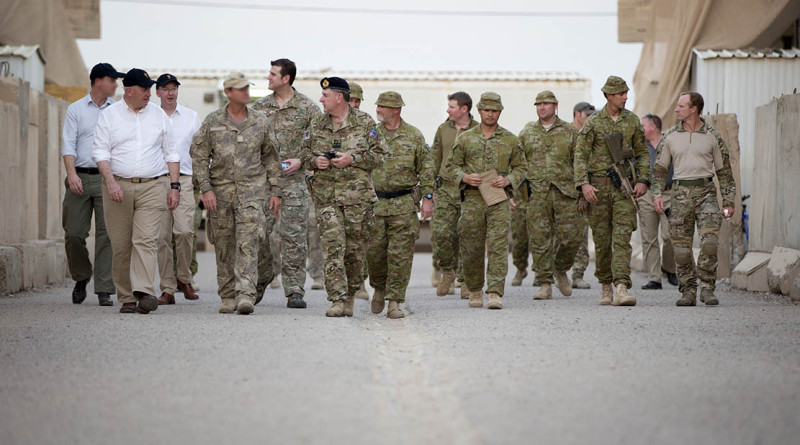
[[240, 138]]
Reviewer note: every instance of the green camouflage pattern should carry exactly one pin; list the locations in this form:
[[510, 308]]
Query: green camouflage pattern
[[391, 252], [551, 156], [344, 261], [614, 85], [519, 228], [490, 101], [389, 99], [553, 215], [474, 153], [237, 230], [582, 255]]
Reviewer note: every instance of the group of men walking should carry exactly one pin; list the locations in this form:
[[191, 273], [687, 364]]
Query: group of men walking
[[265, 168]]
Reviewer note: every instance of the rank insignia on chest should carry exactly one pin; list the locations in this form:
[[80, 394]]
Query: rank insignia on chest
[[373, 132], [307, 134]]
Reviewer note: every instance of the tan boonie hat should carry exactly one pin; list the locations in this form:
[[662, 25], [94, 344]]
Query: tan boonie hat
[[490, 101], [545, 97], [390, 99], [236, 80], [614, 85], [355, 91]]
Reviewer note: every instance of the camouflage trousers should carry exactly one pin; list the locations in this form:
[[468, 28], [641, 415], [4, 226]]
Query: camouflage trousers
[[314, 264], [582, 256], [198, 219], [446, 214], [519, 234], [690, 206], [344, 232], [612, 219], [237, 232], [478, 226], [391, 253], [553, 215], [288, 232]]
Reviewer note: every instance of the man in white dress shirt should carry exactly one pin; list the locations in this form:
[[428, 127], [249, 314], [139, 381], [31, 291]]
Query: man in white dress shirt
[[177, 224], [134, 151]]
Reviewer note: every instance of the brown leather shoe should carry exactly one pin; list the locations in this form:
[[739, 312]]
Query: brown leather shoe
[[188, 291], [128, 308], [166, 298]]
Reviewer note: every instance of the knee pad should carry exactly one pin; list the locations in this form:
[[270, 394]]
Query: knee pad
[[683, 254], [709, 244]]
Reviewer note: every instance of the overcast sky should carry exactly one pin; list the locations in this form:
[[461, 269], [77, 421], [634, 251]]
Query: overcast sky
[[504, 35]]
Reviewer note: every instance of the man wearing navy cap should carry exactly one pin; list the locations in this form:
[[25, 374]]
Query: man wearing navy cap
[[134, 150], [342, 146], [83, 195]]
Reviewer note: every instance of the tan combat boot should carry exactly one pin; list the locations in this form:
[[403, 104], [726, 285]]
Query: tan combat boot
[[336, 309], [606, 294], [362, 293], [476, 298], [563, 284], [521, 274], [464, 291], [394, 310], [707, 296], [687, 299], [349, 304], [244, 306], [495, 301], [448, 277], [318, 284], [275, 283], [378, 301], [436, 277], [579, 283], [545, 292], [228, 306], [622, 298]]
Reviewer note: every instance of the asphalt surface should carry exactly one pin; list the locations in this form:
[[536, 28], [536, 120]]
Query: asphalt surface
[[560, 371]]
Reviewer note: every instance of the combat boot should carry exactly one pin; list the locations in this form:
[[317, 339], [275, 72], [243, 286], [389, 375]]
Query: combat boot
[[606, 294], [495, 301], [244, 306], [228, 306], [579, 283], [275, 283], [707, 296], [622, 298], [349, 304], [448, 277], [362, 293], [545, 292], [476, 298], [378, 301], [394, 310], [521, 274], [464, 291], [436, 277], [687, 299], [318, 284], [336, 309], [295, 301], [563, 284]]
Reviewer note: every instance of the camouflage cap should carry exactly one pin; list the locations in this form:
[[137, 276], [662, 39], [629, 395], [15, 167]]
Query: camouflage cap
[[390, 99], [614, 85], [490, 101], [236, 80], [545, 97], [355, 91]]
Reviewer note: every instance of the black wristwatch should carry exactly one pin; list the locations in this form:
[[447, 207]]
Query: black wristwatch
[[175, 186], [429, 196]]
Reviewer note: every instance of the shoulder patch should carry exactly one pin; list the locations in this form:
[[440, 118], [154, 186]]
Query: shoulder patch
[[373, 132], [307, 134]]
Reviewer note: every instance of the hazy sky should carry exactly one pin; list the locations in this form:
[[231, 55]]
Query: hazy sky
[[505, 35]]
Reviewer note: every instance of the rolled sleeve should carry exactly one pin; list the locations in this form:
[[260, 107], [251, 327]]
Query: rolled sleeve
[[101, 150], [69, 134]]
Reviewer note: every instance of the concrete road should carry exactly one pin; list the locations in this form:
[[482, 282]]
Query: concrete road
[[560, 371]]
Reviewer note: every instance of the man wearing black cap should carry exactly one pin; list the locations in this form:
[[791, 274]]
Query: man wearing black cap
[[134, 150], [342, 147], [83, 195], [178, 224]]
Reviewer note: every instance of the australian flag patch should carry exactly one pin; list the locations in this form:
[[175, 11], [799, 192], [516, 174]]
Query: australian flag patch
[[373, 132], [307, 134]]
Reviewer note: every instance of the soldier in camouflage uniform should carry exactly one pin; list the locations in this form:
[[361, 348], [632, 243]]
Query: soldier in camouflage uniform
[[290, 114], [342, 146], [580, 112], [234, 156], [448, 202], [612, 214], [549, 145], [356, 95], [476, 151], [697, 152], [407, 170]]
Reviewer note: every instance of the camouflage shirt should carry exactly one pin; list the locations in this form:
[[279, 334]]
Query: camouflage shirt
[[236, 164], [358, 136], [592, 156], [550, 154], [443, 144], [406, 164], [694, 155], [474, 153]]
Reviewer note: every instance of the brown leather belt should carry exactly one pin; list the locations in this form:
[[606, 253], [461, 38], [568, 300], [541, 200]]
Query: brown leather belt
[[135, 180]]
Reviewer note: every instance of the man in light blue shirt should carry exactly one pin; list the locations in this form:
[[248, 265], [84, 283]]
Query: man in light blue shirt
[[83, 195]]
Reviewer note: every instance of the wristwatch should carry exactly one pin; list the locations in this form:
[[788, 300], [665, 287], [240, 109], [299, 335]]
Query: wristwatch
[[175, 186], [429, 196]]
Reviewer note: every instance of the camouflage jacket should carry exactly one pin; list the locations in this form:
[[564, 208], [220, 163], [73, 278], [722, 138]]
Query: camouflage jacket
[[592, 156], [550, 155], [357, 136], [236, 164], [710, 150], [443, 144], [473, 153], [407, 163]]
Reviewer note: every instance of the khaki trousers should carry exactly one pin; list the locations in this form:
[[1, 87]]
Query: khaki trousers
[[649, 219], [133, 226], [177, 224]]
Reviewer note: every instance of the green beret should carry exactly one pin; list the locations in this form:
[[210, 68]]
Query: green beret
[[390, 99], [614, 85], [355, 91], [490, 101], [545, 97]]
